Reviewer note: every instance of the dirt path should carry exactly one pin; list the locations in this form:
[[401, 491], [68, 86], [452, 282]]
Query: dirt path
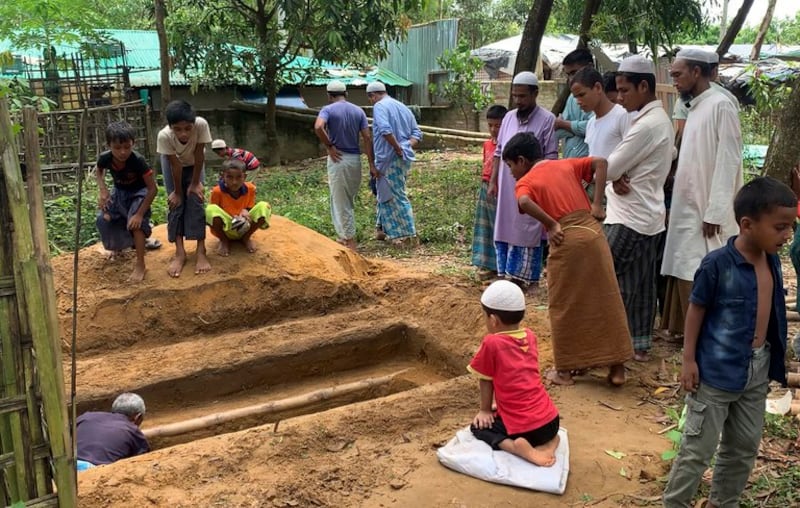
[[303, 314]]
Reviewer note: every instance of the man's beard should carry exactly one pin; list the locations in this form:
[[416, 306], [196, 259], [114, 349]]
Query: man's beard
[[522, 114]]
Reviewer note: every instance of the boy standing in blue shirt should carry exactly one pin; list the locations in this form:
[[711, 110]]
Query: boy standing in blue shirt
[[734, 343]]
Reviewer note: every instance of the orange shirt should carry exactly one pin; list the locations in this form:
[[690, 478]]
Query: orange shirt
[[234, 206], [555, 185], [489, 147]]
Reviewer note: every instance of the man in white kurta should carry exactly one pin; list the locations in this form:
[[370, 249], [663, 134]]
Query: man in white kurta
[[708, 176]]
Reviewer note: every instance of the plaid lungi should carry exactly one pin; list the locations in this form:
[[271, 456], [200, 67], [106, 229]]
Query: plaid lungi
[[483, 250], [395, 215]]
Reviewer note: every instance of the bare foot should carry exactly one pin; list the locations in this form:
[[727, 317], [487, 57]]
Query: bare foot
[[202, 265], [224, 248], [559, 377], [545, 455], [176, 265], [616, 375], [138, 274], [251, 245], [113, 255], [641, 356]]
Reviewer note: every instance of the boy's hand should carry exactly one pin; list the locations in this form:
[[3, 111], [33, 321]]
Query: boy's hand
[[102, 199], [174, 200], [135, 222], [555, 235], [622, 185], [245, 215], [690, 376], [197, 190], [483, 420], [598, 212], [374, 172], [492, 190]]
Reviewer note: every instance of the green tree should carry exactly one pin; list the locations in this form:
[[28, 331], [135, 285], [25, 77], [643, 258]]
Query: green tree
[[38, 24], [204, 35], [462, 89]]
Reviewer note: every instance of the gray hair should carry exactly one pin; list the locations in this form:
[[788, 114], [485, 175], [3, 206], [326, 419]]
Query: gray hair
[[128, 404]]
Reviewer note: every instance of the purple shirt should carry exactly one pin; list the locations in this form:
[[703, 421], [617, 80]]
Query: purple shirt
[[344, 121], [510, 225], [104, 438]]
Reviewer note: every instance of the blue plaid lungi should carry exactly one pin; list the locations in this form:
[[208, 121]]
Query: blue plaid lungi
[[483, 250], [395, 214], [520, 263]]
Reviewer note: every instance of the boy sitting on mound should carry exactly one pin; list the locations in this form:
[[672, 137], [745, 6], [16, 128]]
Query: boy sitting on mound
[[233, 214], [526, 422]]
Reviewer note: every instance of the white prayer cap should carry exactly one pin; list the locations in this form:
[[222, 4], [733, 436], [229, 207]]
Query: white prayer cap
[[637, 64], [504, 294], [525, 78], [698, 55], [336, 86], [217, 144], [376, 86]]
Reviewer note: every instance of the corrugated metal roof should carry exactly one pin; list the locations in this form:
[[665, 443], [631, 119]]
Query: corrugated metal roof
[[415, 58]]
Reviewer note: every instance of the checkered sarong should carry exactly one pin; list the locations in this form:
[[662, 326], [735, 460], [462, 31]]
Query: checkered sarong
[[483, 250], [520, 263], [395, 215]]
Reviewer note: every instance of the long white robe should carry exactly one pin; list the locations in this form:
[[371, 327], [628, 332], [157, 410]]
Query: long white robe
[[708, 176]]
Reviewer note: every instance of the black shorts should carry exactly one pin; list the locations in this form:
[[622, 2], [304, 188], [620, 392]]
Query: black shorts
[[497, 433]]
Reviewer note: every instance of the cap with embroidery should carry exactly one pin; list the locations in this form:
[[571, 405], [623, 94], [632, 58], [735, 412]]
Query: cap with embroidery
[[698, 55], [336, 86], [376, 86], [637, 64], [503, 295], [218, 143], [525, 78]]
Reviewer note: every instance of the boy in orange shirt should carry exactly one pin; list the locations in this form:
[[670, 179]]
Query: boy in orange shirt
[[233, 213]]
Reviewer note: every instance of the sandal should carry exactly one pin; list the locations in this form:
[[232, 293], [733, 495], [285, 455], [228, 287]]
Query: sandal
[[152, 244]]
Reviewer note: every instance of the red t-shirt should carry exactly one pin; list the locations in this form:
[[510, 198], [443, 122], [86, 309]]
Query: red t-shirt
[[489, 147], [511, 362], [555, 185]]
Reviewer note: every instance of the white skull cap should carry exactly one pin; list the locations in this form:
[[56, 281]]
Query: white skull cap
[[503, 295]]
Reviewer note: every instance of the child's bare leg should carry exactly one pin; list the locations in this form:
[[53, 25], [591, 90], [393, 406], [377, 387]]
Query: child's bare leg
[[202, 265], [616, 375], [176, 265], [218, 230], [247, 239], [544, 455], [138, 268]]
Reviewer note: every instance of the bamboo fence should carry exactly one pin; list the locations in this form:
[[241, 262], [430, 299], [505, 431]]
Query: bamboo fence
[[37, 466]]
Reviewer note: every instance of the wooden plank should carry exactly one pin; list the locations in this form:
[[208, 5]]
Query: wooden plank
[[11, 404]]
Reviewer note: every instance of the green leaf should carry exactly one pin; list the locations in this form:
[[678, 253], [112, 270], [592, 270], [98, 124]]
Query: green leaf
[[674, 436], [669, 455], [617, 455]]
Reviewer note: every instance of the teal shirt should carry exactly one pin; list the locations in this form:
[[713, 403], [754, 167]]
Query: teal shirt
[[574, 144]]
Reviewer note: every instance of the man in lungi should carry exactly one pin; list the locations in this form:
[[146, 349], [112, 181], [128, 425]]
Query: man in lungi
[[395, 135], [635, 211], [338, 126], [517, 237], [708, 175]]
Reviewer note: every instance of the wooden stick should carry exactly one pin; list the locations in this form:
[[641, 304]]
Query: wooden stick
[[794, 379], [792, 316], [204, 422], [795, 409]]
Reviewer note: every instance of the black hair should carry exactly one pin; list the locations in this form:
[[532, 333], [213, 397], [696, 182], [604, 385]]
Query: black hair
[[580, 56], [507, 317], [705, 68], [762, 195], [120, 132], [523, 144], [610, 82], [588, 77], [234, 164], [496, 112], [337, 94], [635, 78], [179, 111]]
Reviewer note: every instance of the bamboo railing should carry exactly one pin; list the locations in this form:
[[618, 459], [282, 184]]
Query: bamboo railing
[[36, 458]]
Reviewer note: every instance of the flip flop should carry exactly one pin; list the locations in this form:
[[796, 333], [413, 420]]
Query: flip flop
[[152, 244]]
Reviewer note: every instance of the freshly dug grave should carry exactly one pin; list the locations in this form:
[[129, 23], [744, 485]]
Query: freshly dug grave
[[299, 316]]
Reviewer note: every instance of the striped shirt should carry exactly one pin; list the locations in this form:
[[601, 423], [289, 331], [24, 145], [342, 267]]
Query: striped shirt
[[250, 160]]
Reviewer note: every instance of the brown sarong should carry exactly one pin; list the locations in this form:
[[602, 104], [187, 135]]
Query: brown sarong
[[676, 303], [587, 316]]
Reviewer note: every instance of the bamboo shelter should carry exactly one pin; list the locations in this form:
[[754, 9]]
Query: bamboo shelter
[[36, 452]]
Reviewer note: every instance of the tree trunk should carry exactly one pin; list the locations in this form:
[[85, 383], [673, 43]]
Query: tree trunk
[[532, 35], [163, 49], [784, 150], [762, 31], [270, 122], [734, 28], [590, 9]]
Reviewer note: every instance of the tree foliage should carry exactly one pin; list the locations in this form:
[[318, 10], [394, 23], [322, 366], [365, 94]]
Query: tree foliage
[[37, 24], [462, 90]]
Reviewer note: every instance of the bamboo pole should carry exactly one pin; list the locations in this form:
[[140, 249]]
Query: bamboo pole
[[47, 351], [794, 379], [204, 422]]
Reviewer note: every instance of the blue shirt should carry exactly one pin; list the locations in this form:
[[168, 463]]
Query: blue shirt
[[344, 121], [575, 142], [390, 116], [104, 438], [725, 284]]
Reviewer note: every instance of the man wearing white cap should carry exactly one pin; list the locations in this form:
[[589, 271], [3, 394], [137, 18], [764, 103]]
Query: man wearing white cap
[[681, 111], [395, 135], [338, 126], [219, 147], [518, 236], [708, 175], [635, 211]]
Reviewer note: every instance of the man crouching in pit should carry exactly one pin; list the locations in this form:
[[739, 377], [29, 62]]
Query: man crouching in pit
[[104, 437]]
